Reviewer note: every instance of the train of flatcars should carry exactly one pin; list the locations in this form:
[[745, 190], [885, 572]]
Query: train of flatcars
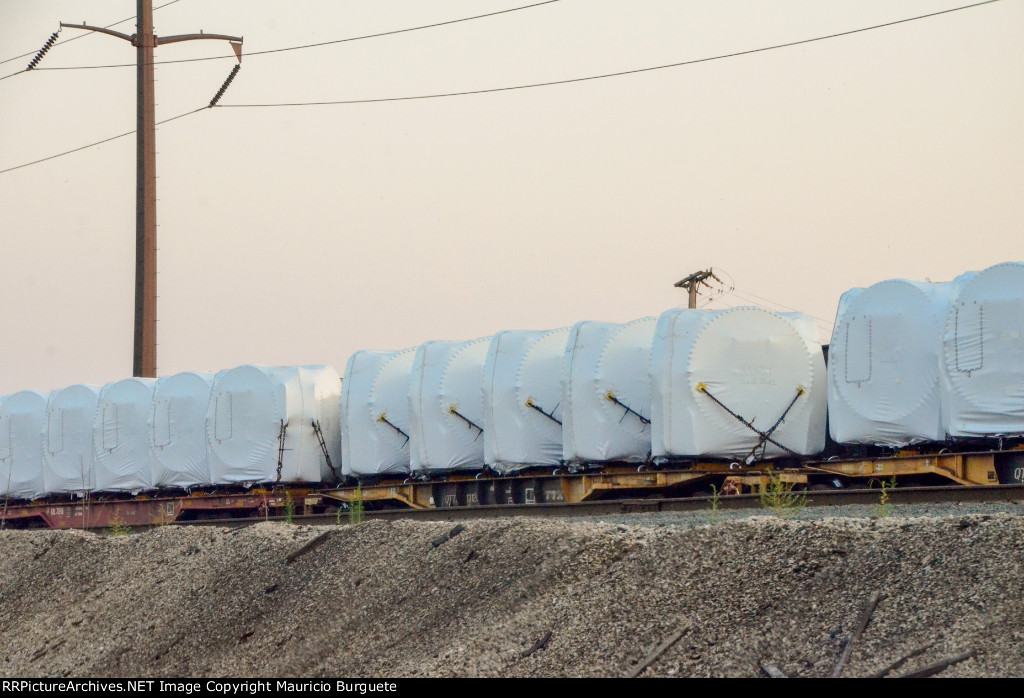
[[921, 379]]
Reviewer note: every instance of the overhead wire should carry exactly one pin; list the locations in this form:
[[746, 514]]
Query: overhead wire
[[747, 295], [79, 36], [320, 43], [516, 87], [105, 140], [751, 297], [620, 73], [720, 296], [721, 304]]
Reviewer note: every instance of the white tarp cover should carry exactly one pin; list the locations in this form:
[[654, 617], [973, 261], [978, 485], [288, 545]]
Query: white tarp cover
[[750, 359], [603, 363], [67, 440], [120, 441], [521, 388], [177, 430], [883, 365], [983, 353], [446, 406], [22, 416], [375, 412], [247, 407]]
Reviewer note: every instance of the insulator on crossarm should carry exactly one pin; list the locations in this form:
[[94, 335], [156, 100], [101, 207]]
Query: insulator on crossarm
[[42, 52], [224, 87]]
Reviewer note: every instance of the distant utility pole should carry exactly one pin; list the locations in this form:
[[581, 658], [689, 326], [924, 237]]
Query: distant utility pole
[[144, 362], [692, 282]]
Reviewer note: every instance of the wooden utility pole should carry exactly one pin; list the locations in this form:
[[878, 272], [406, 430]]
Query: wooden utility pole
[[692, 282], [144, 356]]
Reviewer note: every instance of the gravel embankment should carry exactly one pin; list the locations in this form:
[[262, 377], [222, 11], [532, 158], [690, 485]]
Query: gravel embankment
[[390, 598]]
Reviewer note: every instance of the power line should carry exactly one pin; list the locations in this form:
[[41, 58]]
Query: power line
[[765, 302], [79, 36], [105, 140], [822, 325], [519, 87], [749, 296], [322, 43], [619, 73]]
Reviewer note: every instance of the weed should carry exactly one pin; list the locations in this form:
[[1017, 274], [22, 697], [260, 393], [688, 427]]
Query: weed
[[166, 516], [118, 526], [778, 497], [289, 508], [356, 508], [885, 507], [715, 502]]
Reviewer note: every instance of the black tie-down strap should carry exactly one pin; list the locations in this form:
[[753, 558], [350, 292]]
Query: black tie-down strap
[[550, 415], [765, 436], [323, 447], [281, 436], [384, 418], [469, 422], [628, 410]]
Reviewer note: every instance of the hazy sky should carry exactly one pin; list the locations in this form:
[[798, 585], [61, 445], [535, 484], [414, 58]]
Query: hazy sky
[[299, 235]]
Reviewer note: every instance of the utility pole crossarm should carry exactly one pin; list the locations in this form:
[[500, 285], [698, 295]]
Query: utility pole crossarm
[[101, 30], [161, 40], [692, 282], [158, 40]]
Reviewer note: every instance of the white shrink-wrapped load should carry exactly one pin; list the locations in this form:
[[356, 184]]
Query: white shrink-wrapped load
[[120, 441], [260, 424], [709, 368], [446, 406], [67, 440], [983, 353], [606, 392], [22, 416], [883, 366], [177, 430], [375, 412], [523, 399]]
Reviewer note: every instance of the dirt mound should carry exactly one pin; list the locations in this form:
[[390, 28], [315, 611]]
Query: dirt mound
[[412, 599]]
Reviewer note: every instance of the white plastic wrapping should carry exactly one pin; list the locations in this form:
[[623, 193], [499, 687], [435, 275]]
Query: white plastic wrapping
[[248, 407], [120, 441], [375, 412], [883, 366], [606, 392], [446, 406], [523, 399], [754, 362], [22, 416], [983, 353], [177, 430], [67, 440]]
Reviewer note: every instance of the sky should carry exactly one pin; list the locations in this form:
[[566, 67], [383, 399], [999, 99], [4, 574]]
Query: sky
[[299, 235]]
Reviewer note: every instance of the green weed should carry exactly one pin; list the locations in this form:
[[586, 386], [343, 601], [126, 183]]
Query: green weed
[[778, 497]]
